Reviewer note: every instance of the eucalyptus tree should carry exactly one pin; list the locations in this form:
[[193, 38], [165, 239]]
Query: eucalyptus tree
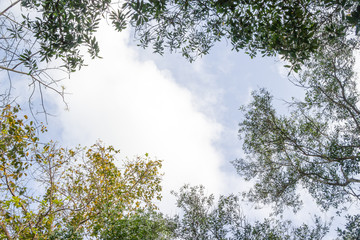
[[315, 146]]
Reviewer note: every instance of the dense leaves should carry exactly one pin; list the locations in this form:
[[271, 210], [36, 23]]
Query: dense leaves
[[294, 29], [65, 26], [142, 225]]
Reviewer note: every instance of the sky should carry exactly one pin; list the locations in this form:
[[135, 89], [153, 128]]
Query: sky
[[185, 114]]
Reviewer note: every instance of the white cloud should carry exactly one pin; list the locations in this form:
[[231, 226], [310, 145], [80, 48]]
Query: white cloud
[[140, 109]]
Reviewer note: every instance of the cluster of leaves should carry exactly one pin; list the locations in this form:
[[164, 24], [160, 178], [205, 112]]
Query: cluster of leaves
[[352, 228], [51, 191], [65, 26], [21, 59]]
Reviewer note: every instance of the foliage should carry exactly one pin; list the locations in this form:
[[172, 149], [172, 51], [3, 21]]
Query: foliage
[[316, 146], [47, 30], [142, 225], [294, 29], [41, 39], [352, 228], [203, 218], [48, 191], [65, 26]]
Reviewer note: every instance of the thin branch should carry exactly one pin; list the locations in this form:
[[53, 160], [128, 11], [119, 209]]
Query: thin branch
[[13, 70], [13, 4]]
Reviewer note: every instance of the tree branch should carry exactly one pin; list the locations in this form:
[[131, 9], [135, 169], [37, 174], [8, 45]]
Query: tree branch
[[6, 9]]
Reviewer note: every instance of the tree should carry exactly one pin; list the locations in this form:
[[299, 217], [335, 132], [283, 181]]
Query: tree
[[294, 29], [49, 191], [316, 146], [203, 218]]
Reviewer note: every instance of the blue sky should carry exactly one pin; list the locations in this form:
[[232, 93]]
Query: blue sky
[[183, 113]]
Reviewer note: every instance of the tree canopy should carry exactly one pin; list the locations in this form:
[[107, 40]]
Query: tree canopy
[[316, 146], [293, 29], [44, 31]]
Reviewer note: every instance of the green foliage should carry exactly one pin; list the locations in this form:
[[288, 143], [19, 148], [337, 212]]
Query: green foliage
[[68, 233], [293, 29], [50, 30], [48, 39], [203, 218], [316, 146], [48, 191], [148, 225], [352, 228], [65, 26], [82, 192]]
